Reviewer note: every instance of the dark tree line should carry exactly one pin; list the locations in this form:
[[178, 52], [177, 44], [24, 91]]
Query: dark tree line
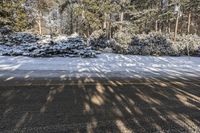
[[87, 16]]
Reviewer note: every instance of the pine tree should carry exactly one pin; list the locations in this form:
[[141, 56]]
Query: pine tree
[[13, 13]]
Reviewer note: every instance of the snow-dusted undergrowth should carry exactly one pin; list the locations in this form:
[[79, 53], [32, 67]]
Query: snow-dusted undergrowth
[[25, 44]]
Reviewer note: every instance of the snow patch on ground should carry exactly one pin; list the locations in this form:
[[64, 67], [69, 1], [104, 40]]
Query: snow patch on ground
[[121, 65]]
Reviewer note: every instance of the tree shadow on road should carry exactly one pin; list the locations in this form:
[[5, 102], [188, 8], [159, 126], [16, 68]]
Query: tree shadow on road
[[160, 101], [101, 107]]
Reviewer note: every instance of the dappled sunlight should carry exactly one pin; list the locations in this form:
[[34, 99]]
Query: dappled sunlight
[[117, 112], [9, 67], [89, 80], [161, 84], [185, 100], [184, 121], [92, 125], [123, 107], [113, 84], [87, 107], [99, 66], [191, 96], [118, 98], [122, 127], [63, 77], [137, 110], [178, 83], [130, 97], [149, 100], [50, 97], [21, 121], [100, 88], [27, 76], [10, 78], [97, 100], [158, 127]]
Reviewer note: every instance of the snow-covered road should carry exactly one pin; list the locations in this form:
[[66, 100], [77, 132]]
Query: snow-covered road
[[110, 64]]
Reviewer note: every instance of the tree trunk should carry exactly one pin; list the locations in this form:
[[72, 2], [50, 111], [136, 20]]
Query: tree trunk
[[156, 26], [40, 23], [121, 20], [160, 27], [71, 21], [189, 22], [105, 21], [176, 27], [169, 27], [106, 25], [110, 33], [88, 30], [188, 30]]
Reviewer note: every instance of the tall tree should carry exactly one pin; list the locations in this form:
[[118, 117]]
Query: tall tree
[[13, 13]]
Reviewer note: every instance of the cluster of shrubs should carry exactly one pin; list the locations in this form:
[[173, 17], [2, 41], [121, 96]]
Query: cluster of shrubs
[[157, 44], [28, 44], [154, 43]]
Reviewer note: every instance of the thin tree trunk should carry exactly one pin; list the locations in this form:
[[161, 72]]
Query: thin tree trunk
[[176, 27], [121, 20], [156, 26], [105, 21], [169, 27], [160, 27], [110, 27], [40, 27], [61, 24], [40, 23], [106, 25], [189, 22], [71, 22], [88, 30]]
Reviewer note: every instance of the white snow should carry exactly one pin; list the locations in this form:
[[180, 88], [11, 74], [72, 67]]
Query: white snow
[[121, 65]]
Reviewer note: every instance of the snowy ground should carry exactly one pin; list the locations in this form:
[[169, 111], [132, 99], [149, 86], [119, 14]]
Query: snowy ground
[[106, 65]]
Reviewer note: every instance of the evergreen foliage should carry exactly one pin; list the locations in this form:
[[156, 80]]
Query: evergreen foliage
[[87, 16], [13, 13]]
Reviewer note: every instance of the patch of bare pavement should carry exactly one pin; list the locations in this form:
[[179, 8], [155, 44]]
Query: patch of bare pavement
[[112, 93]]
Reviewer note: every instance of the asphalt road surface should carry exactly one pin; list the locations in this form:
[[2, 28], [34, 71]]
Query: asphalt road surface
[[97, 107], [62, 101]]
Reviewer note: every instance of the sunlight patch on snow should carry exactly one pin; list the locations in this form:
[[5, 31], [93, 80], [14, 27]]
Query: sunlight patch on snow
[[9, 67], [122, 65], [10, 78]]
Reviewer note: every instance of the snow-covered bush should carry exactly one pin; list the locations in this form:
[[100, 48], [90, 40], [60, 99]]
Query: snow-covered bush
[[123, 38], [98, 40], [25, 44], [17, 38], [151, 44]]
